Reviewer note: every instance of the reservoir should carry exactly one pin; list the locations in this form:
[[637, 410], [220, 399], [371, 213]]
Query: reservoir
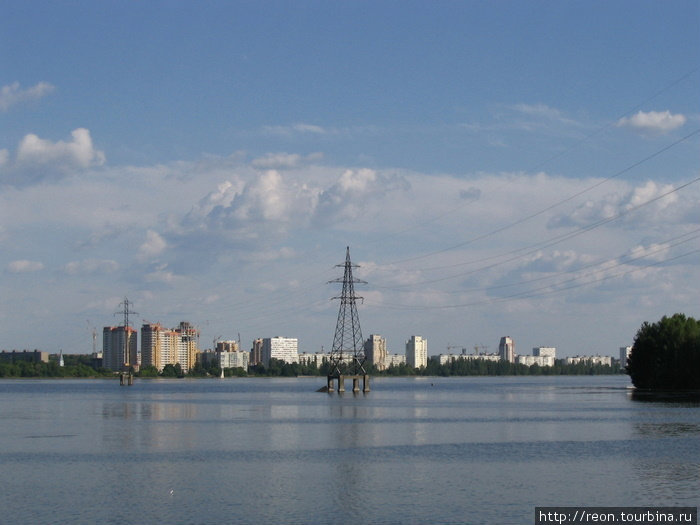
[[467, 450]]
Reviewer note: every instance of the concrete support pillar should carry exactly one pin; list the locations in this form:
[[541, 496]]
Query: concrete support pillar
[[330, 384], [365, 383], [356, 384], [341, 383]]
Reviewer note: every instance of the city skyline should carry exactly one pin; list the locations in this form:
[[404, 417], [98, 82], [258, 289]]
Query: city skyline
[[530, 171]]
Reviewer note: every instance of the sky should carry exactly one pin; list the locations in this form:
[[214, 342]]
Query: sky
[[528, 169]]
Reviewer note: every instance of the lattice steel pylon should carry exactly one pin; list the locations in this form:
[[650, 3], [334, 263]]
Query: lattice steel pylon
[[347, 341]]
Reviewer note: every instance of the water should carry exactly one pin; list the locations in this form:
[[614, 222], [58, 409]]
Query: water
[[274, 451]]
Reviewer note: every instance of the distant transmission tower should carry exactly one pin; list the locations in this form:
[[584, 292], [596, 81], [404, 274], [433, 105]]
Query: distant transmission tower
[[126, 312], [347, 353]]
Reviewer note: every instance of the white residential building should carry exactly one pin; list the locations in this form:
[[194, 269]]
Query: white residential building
[[375, 351], [591, 359], [417, 352], [541, 360], [545, 351], [395, 360], [506, 349], [233, 359], [449, 358], [625, 352], [282, 348], [317, 358]]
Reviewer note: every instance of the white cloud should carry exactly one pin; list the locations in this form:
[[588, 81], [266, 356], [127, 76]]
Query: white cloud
[[91, 266], [38, 160], [295, 129], [13, 94], [656, 122], [653, 252], [153, 246], [284, 160], [161, 274], [24, 266], [541, 111], [353, 192], [77, 153], [651, 199]]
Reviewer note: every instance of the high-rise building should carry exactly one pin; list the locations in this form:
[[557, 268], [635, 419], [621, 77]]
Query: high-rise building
[[506, 349], [417, 352], [625, 352], [375, 351], [119, 348], [282, 348], [187, 345], [161, 346], [256, 352]]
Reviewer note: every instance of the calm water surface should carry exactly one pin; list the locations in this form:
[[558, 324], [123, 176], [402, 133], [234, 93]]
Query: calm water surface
[[412, 451]]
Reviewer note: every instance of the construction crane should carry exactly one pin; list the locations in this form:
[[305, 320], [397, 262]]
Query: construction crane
[[480, 347]]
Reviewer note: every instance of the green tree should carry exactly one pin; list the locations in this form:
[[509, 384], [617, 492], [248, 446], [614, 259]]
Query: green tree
[[666, 355], [148, 371]]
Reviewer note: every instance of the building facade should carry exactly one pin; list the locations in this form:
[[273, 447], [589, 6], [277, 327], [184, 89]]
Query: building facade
[[119, 348], [506, 349], [529, 360], [545, 351], [395, 360], [375, 351], [282, 348], [625, 352], [417, 352], [315, 359], [163, 346], [590, 359], [32, 356], [256, 352]]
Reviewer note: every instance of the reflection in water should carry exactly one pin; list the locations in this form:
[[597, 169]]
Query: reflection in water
[[669, 426], [686, 398], [447, 450], [667, 429]]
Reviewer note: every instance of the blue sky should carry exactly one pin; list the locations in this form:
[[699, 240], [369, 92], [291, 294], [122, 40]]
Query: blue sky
[[497, 168]]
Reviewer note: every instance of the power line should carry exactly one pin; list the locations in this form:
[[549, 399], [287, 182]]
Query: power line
[[537, 292], [557, 239], [552, 206]]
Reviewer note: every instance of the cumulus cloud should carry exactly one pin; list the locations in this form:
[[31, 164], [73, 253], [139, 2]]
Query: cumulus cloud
[[353, 192], [261, 207], [656, 122], [24, 266], [78, 152], [13, 94], [153, 246], [39, 160], [650, 196]]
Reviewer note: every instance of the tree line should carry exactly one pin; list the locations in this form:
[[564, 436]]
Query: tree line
[[81, 366]]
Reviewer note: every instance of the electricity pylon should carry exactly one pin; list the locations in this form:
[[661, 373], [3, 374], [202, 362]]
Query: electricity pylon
[[347, 341]]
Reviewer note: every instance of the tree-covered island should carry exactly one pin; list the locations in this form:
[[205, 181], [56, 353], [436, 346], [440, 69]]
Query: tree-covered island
[[666, 355]]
